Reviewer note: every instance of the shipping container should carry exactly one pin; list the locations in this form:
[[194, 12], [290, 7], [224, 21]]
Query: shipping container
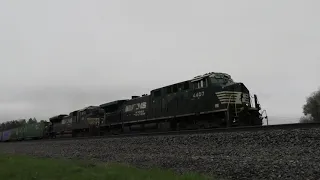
[[16, 134], [6, 135], [34, 131]]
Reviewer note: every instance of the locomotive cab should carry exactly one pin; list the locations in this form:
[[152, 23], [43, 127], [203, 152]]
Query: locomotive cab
[[56, 127], [231, 103], [87, 121]]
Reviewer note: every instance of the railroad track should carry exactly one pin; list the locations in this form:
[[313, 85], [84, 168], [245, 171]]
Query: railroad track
[[189, 132]]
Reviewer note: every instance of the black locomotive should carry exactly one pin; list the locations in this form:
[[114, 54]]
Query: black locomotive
[[206, 101]]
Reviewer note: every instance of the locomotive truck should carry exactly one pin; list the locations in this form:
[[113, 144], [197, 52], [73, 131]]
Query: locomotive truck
[[207, 101]]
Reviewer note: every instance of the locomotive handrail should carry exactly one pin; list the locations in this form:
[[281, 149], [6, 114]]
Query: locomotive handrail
[[235, 107], [265, 111], [228, 115], [251, 100]]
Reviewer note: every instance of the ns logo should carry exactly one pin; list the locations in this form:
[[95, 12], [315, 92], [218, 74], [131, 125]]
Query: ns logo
[[135, 107]]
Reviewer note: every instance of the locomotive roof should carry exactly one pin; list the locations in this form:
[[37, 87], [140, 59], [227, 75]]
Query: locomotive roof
[[57, 118], [88, 107], [67, 116], [211, 74], [169, 85], [113, 103]]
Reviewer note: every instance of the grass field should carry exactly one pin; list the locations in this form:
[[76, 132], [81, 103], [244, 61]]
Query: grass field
[[17, 167]]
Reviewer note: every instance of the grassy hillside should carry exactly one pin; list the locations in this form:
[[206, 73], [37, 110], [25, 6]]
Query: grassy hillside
[[16, 167]]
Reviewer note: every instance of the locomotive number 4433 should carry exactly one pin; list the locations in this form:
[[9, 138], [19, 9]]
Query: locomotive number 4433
[[198, 94]]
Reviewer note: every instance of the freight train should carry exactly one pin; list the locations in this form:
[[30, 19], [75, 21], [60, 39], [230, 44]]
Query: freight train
[[212, 100]]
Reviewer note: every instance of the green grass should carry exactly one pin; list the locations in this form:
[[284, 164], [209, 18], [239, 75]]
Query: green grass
[[17, 167]]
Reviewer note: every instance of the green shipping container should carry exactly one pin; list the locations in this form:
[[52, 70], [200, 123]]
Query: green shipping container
[[34, 131], [16, 134]]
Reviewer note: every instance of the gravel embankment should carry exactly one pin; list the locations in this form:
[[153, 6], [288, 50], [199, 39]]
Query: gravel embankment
[[278, 154]]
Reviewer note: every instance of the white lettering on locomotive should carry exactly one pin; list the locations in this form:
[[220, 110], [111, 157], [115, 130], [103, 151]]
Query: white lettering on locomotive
[[245, 98], [233, 97], [198, 94], [139, 113], [136, 107]]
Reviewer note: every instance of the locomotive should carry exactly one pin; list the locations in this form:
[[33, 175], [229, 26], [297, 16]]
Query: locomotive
[[212, 100], [207, 101]]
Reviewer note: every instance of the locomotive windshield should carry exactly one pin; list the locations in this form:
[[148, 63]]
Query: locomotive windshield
[[94, 112], [90, 112], [221, 78], [212, 78]]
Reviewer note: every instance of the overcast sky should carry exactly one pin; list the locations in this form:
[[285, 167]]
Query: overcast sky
[[58, 56]]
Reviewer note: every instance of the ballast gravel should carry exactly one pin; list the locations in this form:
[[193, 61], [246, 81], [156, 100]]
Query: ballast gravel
[[276, 154]]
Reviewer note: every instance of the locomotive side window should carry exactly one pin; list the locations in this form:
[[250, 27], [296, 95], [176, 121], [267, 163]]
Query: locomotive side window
[[196, 85], [200, 84], [186, 85], [169, 90], [175, 88]]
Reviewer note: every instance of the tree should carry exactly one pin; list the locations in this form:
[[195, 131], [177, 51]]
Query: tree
[[311, 109], [306, 119], [31, 121], [11, 124]]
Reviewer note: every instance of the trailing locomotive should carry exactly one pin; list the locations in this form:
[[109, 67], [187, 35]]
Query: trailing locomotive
[[206, 101], [83, 122]]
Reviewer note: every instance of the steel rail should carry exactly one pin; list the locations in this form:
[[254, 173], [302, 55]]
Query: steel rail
[[188, 132]]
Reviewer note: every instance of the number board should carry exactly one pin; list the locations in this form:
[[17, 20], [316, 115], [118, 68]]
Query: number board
[[198, 94]]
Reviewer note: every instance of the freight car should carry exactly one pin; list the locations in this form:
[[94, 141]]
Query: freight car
[[26, 132]]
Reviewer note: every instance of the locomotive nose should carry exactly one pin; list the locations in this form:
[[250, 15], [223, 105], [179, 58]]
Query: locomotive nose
[[241, 91], [236, 87]]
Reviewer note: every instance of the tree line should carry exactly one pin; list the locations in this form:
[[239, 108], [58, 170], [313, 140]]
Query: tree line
[[311, 109], [17, 123]]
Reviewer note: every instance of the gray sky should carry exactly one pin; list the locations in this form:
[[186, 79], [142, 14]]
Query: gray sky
[[58, 56]]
